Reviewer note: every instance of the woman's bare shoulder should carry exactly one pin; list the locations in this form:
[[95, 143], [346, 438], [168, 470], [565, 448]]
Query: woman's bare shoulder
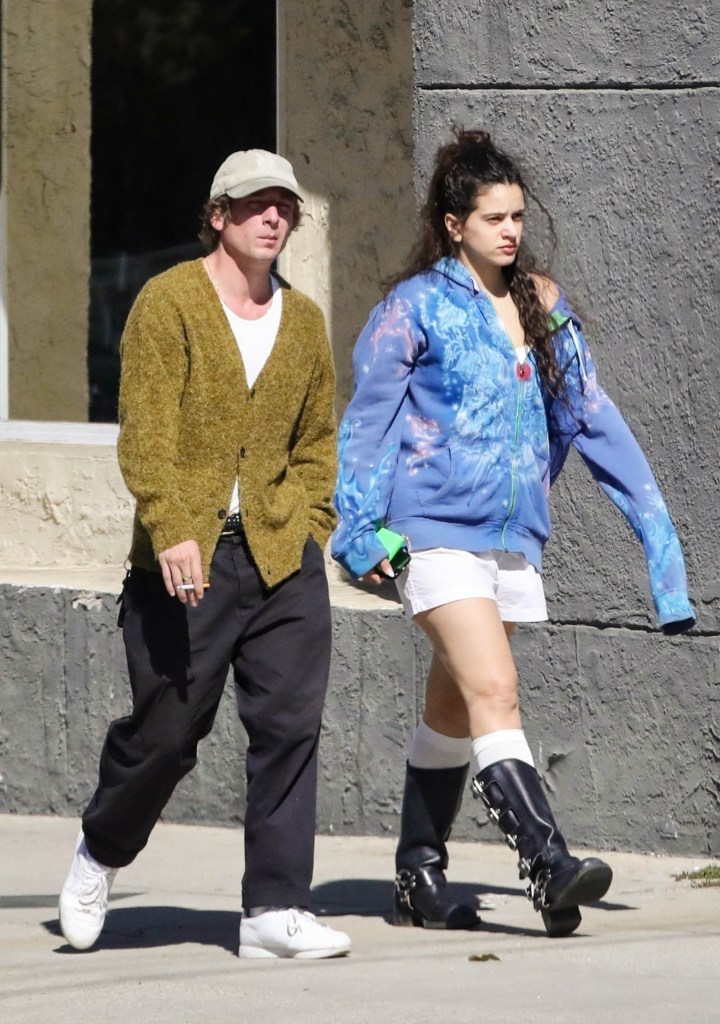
[[547, 290]]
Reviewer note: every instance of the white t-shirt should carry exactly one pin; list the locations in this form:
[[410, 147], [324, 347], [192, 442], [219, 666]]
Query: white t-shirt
[[255, 340]]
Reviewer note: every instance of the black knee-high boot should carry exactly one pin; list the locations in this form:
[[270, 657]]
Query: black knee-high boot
[[431, 801], [559, 882]]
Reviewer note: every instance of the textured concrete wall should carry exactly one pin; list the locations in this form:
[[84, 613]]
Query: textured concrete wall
[[630, 757], [345, 121], [46, 181], [556, 43]]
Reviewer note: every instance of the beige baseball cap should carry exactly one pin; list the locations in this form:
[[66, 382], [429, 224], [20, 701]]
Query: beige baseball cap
[[251, 170]]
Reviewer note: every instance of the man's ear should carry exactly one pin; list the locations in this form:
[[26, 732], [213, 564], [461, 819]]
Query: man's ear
[[217, 221]]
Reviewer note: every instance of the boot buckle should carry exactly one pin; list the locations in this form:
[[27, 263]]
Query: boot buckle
[[477, 789], [405, 882], [537, 890], [524, 867]]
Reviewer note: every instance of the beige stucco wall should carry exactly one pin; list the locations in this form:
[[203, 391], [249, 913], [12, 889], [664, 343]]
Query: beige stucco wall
[[62, 507], [345, 121], [46, 181], [66, 521]]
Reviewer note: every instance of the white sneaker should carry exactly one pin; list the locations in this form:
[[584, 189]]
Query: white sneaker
[[84, 897], [289, 933]]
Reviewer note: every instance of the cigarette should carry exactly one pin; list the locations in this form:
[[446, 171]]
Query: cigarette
[[185, 586]]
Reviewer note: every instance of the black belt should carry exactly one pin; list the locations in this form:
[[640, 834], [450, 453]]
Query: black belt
[[232, 526]]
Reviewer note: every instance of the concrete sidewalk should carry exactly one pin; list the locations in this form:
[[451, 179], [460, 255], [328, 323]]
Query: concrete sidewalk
[[650, 952]]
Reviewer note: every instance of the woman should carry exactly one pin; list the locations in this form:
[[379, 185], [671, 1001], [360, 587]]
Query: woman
[[472, 380]]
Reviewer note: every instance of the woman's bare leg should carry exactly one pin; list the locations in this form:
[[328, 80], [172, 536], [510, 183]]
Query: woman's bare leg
[[472, 683], [476, 669]]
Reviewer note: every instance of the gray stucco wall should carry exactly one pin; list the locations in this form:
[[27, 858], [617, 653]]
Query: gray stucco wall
[[613, 110], [560, 43], [630, 755]]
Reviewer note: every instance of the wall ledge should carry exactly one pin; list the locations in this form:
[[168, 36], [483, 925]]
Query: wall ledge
[[59, 433]]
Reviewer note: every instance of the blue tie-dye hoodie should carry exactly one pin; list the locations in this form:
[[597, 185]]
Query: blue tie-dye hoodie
[[453, 442]]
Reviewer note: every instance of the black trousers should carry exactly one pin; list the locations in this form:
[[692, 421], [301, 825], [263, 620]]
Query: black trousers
[[278, 643]]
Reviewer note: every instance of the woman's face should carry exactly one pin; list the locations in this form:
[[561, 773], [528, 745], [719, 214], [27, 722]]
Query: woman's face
[[490, 235]]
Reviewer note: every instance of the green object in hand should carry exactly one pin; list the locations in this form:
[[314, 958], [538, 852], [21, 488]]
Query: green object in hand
[[396, 546], [391, 541]]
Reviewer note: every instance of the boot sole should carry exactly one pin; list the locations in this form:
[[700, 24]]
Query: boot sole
[[588, 886], [559, 923], [403, 918], [420, 922]]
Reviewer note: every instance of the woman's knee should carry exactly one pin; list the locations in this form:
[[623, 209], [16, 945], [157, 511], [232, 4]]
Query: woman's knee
[[499, 693]]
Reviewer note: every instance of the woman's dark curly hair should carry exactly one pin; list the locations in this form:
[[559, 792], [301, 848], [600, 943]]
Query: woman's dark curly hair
[[463, 169]]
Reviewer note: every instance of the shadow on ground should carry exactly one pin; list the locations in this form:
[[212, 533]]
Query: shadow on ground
[[368, 897], [152, 926], [148, 927]]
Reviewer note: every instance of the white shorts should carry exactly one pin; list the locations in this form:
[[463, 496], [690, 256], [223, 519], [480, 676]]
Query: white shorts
[[438, 576]]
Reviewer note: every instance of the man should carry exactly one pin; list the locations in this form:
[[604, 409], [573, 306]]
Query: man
[[227, 443]]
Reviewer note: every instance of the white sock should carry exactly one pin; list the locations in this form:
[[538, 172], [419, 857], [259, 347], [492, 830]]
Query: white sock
[[431, 749], [503, 745], [94, 864]]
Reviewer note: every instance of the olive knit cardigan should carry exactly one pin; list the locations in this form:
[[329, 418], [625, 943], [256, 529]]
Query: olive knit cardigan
[[189, 426]]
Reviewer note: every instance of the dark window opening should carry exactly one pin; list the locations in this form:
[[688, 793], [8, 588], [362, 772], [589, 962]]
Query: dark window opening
[[177, 85]]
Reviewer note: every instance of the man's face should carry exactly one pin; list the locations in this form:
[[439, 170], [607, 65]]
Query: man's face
[[258, 225]]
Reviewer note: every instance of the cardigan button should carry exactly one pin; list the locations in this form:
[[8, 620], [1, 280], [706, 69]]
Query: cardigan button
[[222, 513], [242, 453]]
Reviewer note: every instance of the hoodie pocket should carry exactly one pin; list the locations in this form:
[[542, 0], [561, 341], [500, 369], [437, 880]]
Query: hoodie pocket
[[473, 477]]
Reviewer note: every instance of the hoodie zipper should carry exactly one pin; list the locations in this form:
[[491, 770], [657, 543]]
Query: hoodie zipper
[[513, 468], [516, 435]]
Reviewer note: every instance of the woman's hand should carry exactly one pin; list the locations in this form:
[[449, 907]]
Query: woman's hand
[[382, 571]]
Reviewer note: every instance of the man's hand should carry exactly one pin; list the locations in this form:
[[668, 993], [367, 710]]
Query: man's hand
[[182, 572], [382, 571]]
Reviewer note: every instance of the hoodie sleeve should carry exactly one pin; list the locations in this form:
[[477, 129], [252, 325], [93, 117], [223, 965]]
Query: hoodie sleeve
[[370, 432], [614, 457]]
